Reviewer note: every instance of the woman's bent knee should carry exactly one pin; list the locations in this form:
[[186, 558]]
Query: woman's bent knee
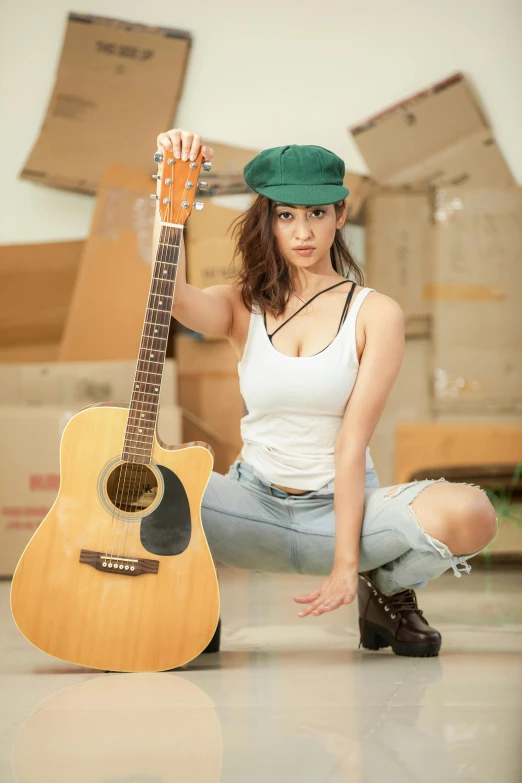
[[459, 515]]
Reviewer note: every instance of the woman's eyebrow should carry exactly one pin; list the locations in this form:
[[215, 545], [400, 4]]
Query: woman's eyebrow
[[294, 206]]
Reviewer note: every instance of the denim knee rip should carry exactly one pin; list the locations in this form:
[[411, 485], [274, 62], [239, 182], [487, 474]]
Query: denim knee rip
[[439, 546]]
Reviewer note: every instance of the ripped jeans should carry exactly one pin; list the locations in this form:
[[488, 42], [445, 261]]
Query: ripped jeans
[[251, 524]]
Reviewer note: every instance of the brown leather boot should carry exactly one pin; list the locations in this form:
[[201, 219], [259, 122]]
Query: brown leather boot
[[394, 621]]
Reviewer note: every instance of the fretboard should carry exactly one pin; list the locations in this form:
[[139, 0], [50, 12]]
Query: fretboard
[[144, 404]]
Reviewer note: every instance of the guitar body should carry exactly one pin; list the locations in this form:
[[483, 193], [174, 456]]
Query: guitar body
[[116, 579]]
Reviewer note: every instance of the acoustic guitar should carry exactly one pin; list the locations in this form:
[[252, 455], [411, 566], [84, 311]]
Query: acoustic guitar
[[119, 575]]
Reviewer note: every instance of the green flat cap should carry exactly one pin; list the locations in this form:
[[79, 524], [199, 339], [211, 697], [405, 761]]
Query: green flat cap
[[303, 174]]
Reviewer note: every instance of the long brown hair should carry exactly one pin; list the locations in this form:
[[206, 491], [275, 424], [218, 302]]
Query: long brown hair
[[264, 275]]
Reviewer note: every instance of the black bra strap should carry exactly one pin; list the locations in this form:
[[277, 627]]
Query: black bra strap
[[346, 306], [311, 300]]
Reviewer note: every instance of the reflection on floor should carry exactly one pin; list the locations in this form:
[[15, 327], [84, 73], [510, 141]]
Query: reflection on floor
[[287, 698]]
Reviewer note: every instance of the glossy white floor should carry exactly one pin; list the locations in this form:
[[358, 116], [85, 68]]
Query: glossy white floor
[[287, 699]]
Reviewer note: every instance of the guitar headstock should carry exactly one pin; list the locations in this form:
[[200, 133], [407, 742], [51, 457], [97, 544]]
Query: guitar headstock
[[179, 180]]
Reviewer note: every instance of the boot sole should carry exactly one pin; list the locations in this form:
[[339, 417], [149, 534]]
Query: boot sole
[[376, 638]]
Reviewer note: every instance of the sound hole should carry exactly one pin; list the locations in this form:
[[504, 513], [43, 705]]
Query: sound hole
[[132, 487]]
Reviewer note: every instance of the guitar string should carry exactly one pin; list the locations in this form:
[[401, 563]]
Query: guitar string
[[172, 236], [140, 406], [169, 233], [110, 544], [136, 481]]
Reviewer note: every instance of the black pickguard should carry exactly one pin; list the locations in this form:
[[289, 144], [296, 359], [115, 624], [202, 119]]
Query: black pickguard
[[167, 529]]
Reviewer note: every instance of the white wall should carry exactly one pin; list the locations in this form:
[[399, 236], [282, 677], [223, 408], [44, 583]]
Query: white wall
[[262, 74]]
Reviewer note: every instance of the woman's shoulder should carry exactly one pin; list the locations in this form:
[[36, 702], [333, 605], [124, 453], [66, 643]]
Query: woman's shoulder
[[381, 308]]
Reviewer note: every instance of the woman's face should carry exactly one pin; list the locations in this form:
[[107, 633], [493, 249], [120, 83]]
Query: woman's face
[[313, 227]]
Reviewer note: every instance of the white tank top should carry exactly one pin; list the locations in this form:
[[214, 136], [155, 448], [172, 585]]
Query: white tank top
[[295, 404]]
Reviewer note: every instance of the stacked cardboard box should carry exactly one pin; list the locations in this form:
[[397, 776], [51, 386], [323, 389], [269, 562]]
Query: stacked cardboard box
[[36, 403], [81, 305], [442, 240], [72, 312], [110, 99]]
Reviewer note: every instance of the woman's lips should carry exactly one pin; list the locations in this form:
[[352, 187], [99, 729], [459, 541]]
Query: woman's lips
[[305, 252]]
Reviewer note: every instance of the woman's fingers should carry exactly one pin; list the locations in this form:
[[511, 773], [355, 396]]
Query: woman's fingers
[[194, 148], [184, 144], [320, 605], [310, 597]]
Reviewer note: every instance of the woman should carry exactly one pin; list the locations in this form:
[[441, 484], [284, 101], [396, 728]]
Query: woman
[[303, 495]]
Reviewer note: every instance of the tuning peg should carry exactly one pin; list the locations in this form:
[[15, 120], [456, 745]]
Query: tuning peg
[[158, 157], [153, 196], [207, 165], [202, 185], [199, 205], [156, 176]]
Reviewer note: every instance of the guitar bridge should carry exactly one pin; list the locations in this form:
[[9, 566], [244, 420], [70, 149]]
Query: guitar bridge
[[113, 564]]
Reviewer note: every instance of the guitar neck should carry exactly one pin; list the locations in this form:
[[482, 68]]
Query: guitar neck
[[144, 405]]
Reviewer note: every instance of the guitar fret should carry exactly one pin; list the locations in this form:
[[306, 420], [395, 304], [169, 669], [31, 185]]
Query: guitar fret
[[153, 323], [155, 337], [137, 448], [142, 427], [135, 444], [167, 244], [138, 390]]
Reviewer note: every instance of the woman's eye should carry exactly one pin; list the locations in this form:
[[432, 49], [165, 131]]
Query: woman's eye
[[320, 211]]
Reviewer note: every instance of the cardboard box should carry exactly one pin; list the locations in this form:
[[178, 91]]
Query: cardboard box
[[117, 86], [398, 252], [107, 311], [226, 176], [360, 187], [450, 258], [429, 445], [476, 296], [208, 241], [439, 136], [77, 383], [47, 352], [209, 244], [36, 284], [409, 401], [208, 391], [30, 477]]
